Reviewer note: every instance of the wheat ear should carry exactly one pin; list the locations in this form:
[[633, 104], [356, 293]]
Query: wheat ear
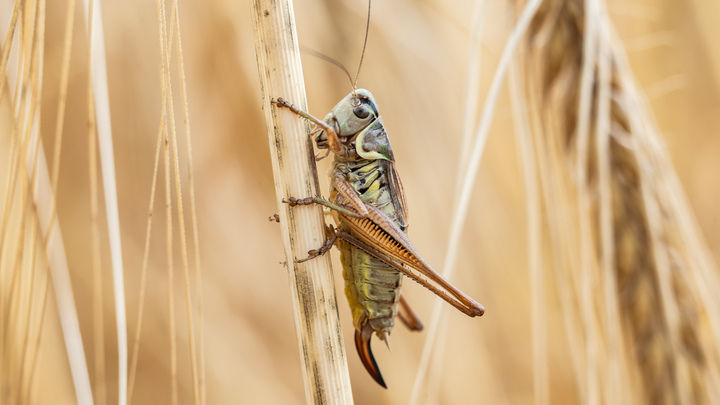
[[648, 327]]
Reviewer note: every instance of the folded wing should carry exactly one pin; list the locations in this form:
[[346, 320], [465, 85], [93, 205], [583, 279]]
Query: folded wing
[[379, 236]]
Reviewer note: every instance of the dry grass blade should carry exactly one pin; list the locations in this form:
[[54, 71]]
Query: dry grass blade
[[98, 329], [17, 303], [614, 389], [93, 17], [36, 201], [32, 174], [643, 309], [171, 299], [146, 256], [7, 47], [162, 136], [16, 151], [313, 290], [193, 213], [461, 207], [64, 75], [181, 217], [22, 132], [107, 161], [164, 50], [589, 47], [526, 151], [472, 95]]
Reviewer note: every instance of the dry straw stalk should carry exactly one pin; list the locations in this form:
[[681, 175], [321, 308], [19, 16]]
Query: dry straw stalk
[[29, 152], [313, 290]]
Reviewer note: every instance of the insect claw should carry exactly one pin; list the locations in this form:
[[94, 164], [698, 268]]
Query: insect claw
[[274, 217], [311, 256], [317, 159]]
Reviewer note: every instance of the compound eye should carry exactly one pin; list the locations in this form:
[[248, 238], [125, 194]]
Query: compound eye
[[361, 111]]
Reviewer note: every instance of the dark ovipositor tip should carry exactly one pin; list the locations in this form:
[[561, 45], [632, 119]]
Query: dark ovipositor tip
[[367, 358]]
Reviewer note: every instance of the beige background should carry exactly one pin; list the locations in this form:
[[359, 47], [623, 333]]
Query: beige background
[[416, 67]]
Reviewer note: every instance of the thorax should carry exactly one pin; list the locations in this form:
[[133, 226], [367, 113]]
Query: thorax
[[369, 179]]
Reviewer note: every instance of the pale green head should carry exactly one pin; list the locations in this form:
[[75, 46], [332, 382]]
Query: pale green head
[[356, 116], [353, 113]]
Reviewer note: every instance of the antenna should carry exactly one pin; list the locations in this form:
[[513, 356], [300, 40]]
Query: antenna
[[327, 59], [367, 30]]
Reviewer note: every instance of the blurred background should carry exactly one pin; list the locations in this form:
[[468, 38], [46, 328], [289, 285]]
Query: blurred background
[[416, 66]]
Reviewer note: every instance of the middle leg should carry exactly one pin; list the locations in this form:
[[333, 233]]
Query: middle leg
[[332, 237]]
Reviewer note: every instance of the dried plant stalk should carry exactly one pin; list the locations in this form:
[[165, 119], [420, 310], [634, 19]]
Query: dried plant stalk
[[469, 173], [98, 71], [193, 211], [165, 43], [313, 290], [640, 287], [29, 167]]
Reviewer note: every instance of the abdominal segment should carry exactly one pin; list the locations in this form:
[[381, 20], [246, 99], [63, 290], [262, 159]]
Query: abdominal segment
[[372, 288]]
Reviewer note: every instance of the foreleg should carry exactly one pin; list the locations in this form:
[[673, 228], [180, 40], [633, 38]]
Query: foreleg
[[333, 140]]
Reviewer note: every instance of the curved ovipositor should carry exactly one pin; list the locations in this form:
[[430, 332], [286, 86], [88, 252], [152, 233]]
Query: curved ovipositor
[[362, 344]]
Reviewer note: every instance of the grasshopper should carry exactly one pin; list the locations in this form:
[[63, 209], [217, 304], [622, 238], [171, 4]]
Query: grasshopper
[[368, 205]]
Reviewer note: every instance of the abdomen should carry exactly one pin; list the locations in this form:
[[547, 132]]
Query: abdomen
[[372, 287]]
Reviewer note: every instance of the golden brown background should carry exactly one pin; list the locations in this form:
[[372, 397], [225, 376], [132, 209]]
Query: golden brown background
[[415, 66]]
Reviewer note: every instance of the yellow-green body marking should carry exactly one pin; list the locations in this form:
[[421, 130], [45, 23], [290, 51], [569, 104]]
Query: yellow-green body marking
[[372, 287]]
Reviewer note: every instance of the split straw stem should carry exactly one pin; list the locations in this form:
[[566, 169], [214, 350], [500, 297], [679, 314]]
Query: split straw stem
[[313, 290]]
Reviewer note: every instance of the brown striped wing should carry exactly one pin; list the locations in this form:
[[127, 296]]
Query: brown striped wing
[[397, 194], [379, 236]]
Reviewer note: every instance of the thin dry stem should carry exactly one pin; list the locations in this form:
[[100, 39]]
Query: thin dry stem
[[463, 201], [171, 299], [107, 160], [98, 329], [181, 216], [26, 125], [614, 388], [168, 204], [64, 75], [32, 212], [7, 47], [62, 97], [472, 95], [181, 223], [536, 273], [193, 213], [146, 256], [162, 135], [35, 349], [15, 323], [590, 36]]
